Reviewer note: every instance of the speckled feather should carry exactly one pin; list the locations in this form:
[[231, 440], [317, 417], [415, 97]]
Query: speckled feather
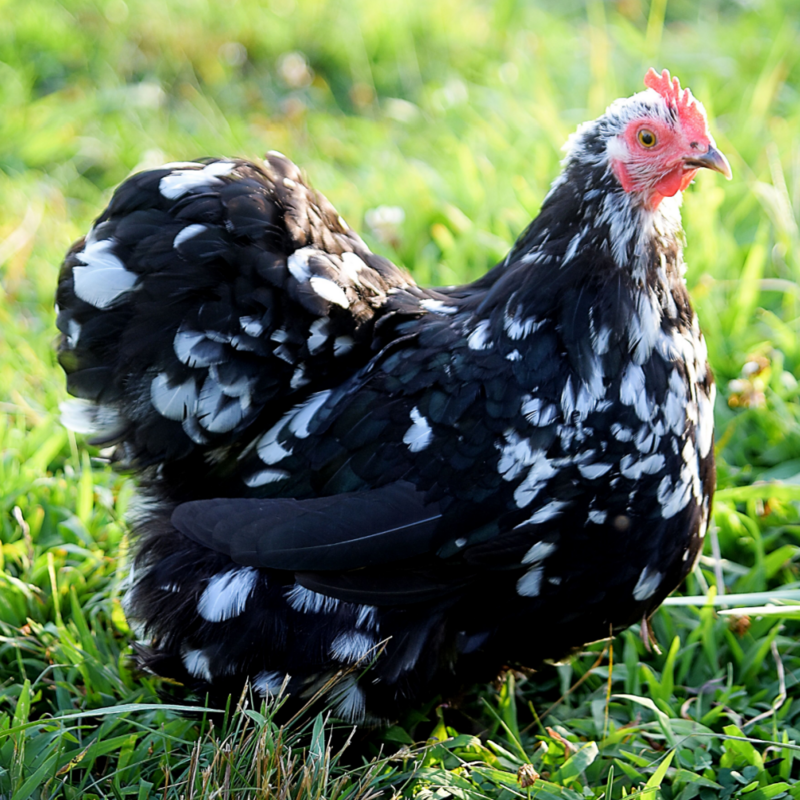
[[207, 298], [476, 476]]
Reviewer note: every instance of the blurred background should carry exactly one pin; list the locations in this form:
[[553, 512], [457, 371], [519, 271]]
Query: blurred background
[[435, 128]]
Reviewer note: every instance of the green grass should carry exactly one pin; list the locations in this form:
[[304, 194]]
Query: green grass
[[455, 112]]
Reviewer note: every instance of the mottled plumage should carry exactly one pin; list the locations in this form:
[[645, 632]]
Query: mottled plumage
[[346, 468]]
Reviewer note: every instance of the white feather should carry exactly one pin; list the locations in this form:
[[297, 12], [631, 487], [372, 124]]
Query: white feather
[[74, 333], [352, 646], [318, 334], [633, 392], [479, 338], [173, 402], [184, 343], [518, 328], [545, 513], [103, 279], [342, 345], [268, 684], [673, 497], [438, 307], [593, 471], [367, 617], [299, 377], [216, 412], [649, 581], [330, 291], [182, 181], [187, 233], [225, 595], [419, 435], [705, 420], [307, 602], [269, 449], [539, 474], [530, 584], [539, 552], [252, 326], [298, 263], [352, 265], [633, 468], [515, 455], [83, 416], [197, 664], [349, 698], [300, 417], [265, 476], [538, 412]]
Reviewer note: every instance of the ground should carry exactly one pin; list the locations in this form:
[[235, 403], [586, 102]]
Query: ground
[[435, 128]]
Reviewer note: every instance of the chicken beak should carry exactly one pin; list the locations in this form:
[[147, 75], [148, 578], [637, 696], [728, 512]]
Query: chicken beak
[[711, 159]]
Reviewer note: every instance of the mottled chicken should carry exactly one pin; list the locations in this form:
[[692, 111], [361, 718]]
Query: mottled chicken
[[344, 470]]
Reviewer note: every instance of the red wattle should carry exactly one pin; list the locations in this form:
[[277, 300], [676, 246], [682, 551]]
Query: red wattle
[[675, 181], [672, 183]]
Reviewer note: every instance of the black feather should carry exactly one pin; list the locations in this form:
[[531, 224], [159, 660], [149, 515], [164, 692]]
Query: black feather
[[341, 532], [343, 467]]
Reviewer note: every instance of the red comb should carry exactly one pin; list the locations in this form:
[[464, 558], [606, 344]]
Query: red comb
[[689, 112]]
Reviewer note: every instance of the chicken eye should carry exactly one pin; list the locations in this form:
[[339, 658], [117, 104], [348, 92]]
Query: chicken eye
[[646, 138]]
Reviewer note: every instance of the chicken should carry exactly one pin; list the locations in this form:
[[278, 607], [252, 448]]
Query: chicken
[[346, 471]]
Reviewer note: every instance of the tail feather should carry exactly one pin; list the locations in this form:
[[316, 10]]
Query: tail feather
[[207, 299], [212, 625]]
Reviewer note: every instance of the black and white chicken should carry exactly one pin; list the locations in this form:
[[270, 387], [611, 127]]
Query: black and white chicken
[[344, 469]]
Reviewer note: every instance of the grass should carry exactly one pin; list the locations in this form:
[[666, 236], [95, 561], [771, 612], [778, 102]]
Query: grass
[[453, 112]]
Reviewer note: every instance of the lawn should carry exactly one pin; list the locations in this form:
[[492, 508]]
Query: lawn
[[452, 114]]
